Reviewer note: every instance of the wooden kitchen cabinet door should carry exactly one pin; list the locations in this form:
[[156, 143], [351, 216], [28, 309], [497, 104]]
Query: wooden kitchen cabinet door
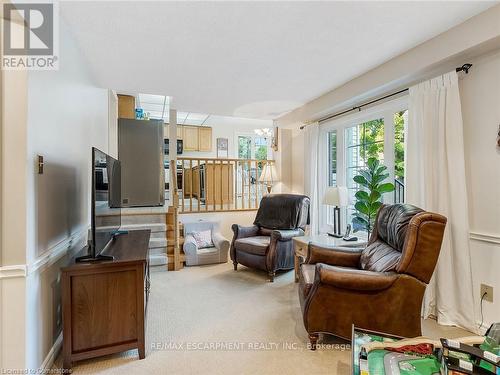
[[205, 139], [180, 133], [190, 138]]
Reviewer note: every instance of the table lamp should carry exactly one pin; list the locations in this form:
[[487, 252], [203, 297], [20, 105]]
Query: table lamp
[[336, 196], [269, 175]]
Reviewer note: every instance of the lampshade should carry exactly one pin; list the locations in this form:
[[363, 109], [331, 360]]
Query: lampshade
[[269, 173], [336, 196]]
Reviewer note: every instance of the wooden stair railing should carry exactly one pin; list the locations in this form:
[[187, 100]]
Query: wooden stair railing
[[173, 241], [218, 185]]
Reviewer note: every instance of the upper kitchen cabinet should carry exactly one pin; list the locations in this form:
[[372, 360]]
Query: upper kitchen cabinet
[[197, 138], [190, 138], [205, 139]]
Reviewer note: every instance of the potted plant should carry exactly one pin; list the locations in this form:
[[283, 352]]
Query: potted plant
[[368, 199]]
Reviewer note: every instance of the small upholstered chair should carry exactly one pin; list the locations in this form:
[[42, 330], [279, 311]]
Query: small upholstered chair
[[267, 245], [380, 287], [207, 255]]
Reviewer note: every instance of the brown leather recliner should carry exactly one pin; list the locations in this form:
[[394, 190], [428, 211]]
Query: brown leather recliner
[[380, 287], [267, 245]]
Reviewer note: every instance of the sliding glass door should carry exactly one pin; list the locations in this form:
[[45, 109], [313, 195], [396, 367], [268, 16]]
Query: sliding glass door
[[363, 141], [349, 142]]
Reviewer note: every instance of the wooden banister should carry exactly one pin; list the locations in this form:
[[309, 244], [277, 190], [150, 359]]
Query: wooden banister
[[213, 184], [175, 208]]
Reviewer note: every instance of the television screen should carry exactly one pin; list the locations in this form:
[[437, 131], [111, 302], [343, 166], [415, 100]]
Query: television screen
[[106, 211]]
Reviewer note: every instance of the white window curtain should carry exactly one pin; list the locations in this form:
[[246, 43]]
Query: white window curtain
[[311, 188], [436, 182]]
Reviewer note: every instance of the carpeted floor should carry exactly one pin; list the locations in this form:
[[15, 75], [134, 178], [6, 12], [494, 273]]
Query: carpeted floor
[[212, 320]]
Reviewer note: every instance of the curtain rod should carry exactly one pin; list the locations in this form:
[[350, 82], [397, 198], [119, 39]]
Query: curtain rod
[[464, 68]]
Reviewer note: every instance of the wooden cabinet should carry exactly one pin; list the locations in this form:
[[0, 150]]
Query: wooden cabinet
[[166, 133], [219, 182], [213, 183], [104, 303], [190, 137], [196, 138], [205, 139], [126, 106]]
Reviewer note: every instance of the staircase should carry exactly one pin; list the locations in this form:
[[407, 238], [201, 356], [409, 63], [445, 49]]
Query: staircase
[[162, 244]]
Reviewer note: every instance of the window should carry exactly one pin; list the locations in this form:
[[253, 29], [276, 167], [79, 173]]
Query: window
[[363, 141], [244, 147], [254, 147], [350, 141], [332, 158], [260, 148], [400, 119]]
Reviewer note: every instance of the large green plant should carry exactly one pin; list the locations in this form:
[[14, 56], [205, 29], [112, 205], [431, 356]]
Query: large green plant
[[368, 199]]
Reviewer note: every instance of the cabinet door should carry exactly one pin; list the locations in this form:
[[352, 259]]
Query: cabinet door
[[180, 133], [126, 106], [205, 138], [190, 138]]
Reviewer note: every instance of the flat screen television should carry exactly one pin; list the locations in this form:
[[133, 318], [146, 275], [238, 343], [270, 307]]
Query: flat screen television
[[105, 205]]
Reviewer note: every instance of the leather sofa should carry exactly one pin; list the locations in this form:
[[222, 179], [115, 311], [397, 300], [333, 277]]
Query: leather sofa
[[267, 245], [380, 287]]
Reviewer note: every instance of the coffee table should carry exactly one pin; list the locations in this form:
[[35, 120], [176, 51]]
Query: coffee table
[[301, 246]]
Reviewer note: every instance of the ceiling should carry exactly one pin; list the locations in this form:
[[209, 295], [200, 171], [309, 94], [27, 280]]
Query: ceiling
[[257, 60]]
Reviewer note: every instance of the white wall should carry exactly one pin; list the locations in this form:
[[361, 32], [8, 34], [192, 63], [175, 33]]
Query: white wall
[[480, 96], [475, 36], [225, 219], [67, 115], [13, 98], [476, 41]]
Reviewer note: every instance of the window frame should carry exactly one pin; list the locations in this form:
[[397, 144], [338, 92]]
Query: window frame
[[253, 136], [384, 111]]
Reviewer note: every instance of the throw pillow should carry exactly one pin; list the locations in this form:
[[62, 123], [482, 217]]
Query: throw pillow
[[203, 239]]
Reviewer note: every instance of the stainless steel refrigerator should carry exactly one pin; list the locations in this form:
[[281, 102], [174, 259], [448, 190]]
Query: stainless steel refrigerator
[[140, 151]]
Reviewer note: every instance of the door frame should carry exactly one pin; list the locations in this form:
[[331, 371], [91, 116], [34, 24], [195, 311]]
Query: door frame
[[384, 110]]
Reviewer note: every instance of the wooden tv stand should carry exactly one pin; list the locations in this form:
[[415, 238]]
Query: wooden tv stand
[[104, 304]]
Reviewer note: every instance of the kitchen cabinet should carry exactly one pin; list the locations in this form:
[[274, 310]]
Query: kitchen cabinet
[[205, 139], [190, 138]]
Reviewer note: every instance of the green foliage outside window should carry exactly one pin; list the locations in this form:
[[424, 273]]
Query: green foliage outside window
[[244, 150], [261, 153], [399, 146], [372, 141]]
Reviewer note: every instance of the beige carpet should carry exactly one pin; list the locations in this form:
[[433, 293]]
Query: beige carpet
[[194, 310]]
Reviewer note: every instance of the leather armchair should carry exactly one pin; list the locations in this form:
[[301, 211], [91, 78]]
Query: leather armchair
[[380, 287], [267, 245]]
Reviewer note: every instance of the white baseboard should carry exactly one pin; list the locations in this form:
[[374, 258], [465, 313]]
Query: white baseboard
[[52, 355]]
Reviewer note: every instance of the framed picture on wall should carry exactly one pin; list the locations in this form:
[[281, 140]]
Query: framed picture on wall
[[222, 148]]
